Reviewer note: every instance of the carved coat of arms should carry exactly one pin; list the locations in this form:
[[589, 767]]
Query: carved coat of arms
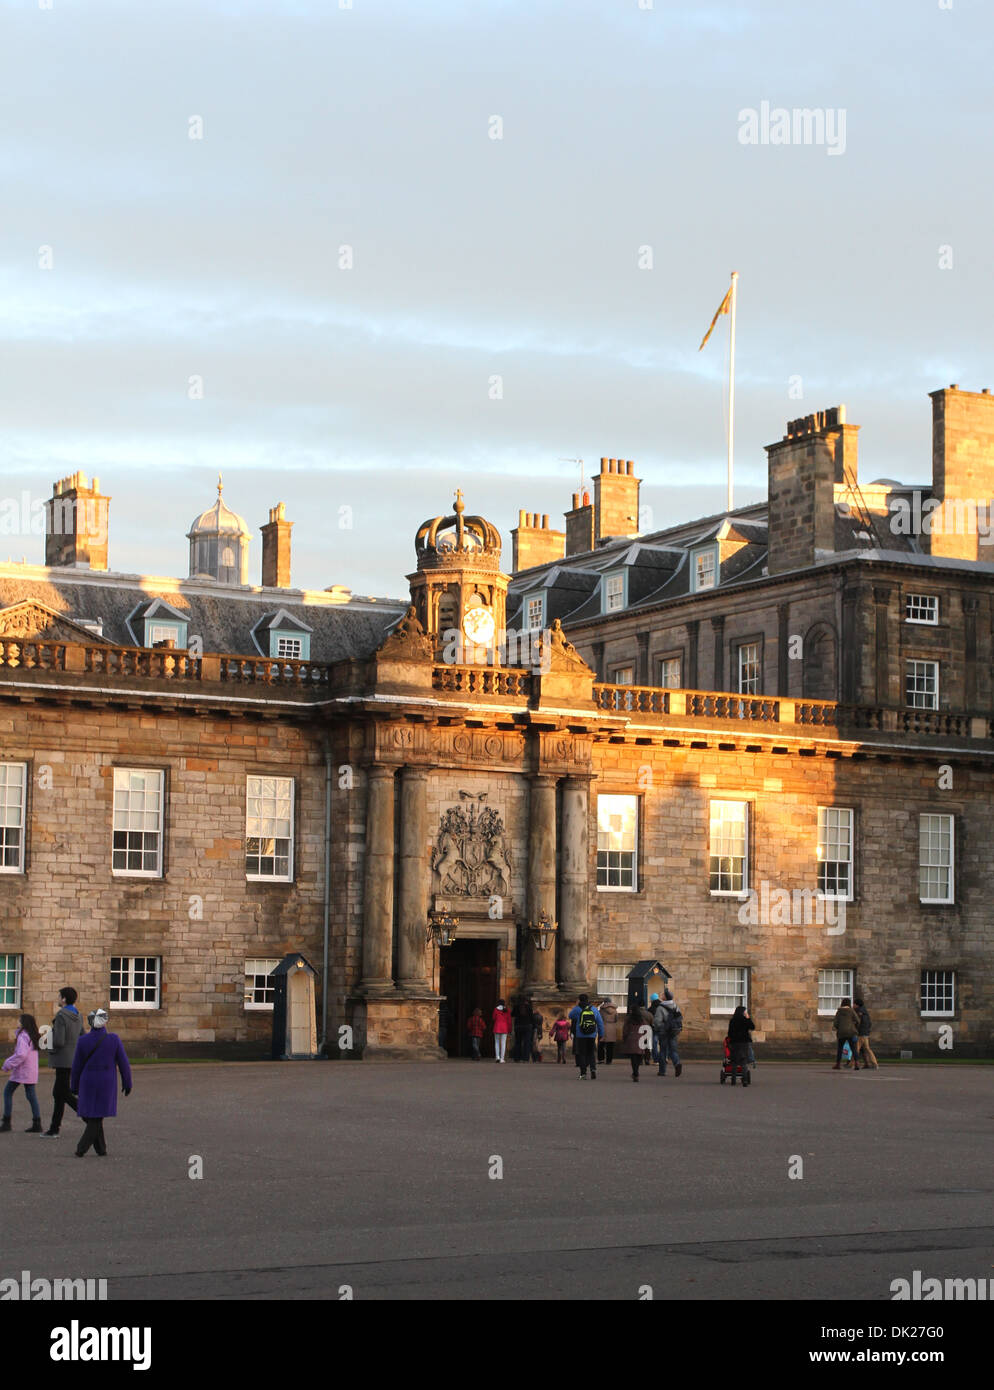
[[470, 858]]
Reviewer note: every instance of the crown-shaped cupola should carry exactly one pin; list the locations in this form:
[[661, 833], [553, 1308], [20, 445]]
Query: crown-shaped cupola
[[458, 590]]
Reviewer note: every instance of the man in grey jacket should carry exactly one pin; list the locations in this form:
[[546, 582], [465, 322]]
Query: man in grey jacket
[[66, 1028]]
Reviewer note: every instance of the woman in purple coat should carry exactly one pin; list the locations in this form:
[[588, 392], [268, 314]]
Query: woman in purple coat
[[99, 1057]]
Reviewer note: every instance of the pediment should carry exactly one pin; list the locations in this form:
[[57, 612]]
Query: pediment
[[31, 620]]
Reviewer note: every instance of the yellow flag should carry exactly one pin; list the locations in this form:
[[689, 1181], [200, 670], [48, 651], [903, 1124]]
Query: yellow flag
[[723, 308]]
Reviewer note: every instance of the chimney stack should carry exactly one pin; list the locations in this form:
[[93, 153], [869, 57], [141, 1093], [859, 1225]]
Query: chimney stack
[[533, 543], [276, 549], [76, 523], [962, 470], [816, 453], [616, 499]]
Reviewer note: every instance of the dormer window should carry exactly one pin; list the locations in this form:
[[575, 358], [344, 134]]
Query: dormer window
[[534, 612], [704, 568], [155, 621], [615, 596], [282, 636]]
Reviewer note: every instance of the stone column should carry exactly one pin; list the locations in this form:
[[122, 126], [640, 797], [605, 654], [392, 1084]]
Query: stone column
[[783, 650], [415, 871], [718, 677], [540, 966], [575, 886], [690, 678], [642, 670], [377, 922]]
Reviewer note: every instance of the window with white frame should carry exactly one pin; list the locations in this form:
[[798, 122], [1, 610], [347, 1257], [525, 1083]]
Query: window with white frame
[[13, 785], [921, 684], [669, 673], [10, 981], [938, 992], [162, 632], [835, 852], [729, 988], [935, 858], [749, 668], [921, 608], [260, 990], [624, 675], [617, 842], [729, 840], [535, 613], [291, 647], [704, 569], [612, 983], [137, 845], [833, 987], [269, 828], [614, 592], [134, 981]]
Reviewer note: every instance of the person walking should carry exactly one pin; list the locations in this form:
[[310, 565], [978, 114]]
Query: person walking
[[846, 1026], [586, 1026], [99, 1057], [739, 1027], [538, 1028], [605, 1048], [559, 1033], [501, 1021], [654, 1003], [66, 1028], [667, 1023], [863, 1048], [637, 1018], [523, 1029], [476, 1027], [22, 1065]]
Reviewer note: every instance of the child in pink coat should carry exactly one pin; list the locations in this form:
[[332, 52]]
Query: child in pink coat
[[22, 1066]]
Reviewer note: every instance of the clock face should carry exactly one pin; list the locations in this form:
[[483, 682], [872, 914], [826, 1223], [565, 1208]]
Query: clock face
[[478, 625]]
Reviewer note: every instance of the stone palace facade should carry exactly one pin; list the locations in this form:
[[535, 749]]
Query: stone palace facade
[[757, 749]]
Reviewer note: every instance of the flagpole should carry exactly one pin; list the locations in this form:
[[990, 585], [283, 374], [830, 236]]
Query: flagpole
[[731, 387]]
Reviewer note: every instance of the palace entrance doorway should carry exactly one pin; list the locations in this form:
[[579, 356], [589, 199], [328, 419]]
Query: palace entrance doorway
[[469, 981]]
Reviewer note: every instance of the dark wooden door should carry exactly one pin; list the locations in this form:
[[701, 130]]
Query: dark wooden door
[[469, 981]]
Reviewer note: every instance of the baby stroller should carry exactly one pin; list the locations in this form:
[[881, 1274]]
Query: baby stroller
[[736, 1073]]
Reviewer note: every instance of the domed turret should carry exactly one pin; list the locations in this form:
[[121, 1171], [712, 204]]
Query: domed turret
[[219, 541], [458, 591]]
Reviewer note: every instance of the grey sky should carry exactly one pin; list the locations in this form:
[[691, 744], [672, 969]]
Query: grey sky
[[368, 388]]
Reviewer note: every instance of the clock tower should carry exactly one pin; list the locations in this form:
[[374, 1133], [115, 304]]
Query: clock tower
[[458, 590]]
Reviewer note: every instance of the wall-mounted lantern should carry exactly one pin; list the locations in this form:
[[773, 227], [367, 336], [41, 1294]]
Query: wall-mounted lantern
[[543, 932], [441, 928]]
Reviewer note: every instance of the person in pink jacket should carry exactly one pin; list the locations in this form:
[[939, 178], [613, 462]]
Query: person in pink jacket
[[22, 1067], [502, 1026]]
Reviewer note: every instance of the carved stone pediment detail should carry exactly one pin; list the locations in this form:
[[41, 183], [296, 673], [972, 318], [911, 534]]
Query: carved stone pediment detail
[[563, 656], [30, 620], [470, 858], [408, 641]]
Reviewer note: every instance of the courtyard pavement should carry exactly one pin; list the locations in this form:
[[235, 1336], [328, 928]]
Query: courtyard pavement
[[321, 1175]]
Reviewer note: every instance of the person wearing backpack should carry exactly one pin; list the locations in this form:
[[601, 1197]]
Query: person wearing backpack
[[863, 1048], [667, 1024], [587, 1027], [559, 1033]]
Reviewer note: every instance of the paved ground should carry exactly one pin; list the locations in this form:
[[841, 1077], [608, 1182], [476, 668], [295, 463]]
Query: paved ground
[[324, 1174]]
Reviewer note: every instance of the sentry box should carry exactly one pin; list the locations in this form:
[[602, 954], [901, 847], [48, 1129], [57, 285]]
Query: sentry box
[[295, 1033], [647, 977]]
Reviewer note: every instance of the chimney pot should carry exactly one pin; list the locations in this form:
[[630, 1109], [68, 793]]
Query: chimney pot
[[603, 465], [545, 521], [586, 499]]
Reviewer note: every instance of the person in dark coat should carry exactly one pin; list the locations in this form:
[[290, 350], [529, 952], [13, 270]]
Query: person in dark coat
[[66, 1028], [99, 1057], [846, 1025], [632, 1036], [739, 1028]]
